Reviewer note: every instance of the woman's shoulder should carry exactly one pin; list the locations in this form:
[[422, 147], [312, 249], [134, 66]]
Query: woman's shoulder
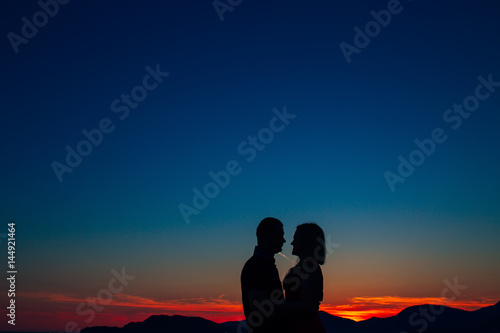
[[311, 266], [305, 270]]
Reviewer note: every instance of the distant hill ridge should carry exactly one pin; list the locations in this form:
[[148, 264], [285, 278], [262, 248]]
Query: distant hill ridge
[[424, 318]]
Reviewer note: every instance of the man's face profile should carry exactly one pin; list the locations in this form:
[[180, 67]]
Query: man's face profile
[[277, 239]]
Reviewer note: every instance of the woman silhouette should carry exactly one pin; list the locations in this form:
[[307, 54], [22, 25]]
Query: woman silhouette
[[303, 284]]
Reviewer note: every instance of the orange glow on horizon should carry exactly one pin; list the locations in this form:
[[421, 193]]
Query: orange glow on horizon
[[362, 308]]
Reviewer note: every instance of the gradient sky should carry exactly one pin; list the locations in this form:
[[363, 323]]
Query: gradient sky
[[120, 207]]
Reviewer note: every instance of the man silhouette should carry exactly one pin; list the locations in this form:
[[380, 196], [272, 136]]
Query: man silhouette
[[260, 282]]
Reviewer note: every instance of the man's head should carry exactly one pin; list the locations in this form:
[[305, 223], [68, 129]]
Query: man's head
[[270, 235]]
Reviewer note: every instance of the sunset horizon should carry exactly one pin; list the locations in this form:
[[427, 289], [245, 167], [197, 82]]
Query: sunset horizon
[[126, 308]]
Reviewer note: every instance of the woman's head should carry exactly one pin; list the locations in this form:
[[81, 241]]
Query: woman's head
[[309, 241]]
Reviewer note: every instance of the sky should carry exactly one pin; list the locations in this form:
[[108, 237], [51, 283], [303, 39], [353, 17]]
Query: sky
[[143, 141]]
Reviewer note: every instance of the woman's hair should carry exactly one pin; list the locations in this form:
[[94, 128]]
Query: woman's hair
[[315, 238]]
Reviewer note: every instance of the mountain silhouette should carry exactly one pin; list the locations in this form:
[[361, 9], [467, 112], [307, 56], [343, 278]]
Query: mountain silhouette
[[336, 323], [430, 319], [164, 324], [424, 318]]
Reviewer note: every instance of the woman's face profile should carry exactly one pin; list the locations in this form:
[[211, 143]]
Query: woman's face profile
[[298, 244]]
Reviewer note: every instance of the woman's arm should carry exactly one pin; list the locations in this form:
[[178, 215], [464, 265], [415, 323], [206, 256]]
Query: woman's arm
[[311, 292]]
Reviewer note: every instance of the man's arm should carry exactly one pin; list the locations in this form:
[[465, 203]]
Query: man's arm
[[257, 297]]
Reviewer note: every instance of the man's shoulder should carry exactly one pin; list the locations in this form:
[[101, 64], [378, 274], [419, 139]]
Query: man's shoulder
[[254, 265], [253, 261]]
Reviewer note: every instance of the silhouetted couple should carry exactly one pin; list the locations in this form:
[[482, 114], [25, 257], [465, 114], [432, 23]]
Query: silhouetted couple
[[266, 308]]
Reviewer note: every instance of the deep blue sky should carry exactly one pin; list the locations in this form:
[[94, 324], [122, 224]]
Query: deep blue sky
[[119, 207]]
